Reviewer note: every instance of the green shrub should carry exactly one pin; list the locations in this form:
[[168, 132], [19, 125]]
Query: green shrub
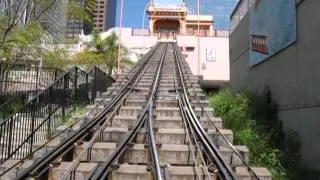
[[253, 120]]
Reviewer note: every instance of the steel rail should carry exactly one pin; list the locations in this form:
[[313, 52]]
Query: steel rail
[[225, 172], [103, 171], [85, 150], [66, 144], [186, 129], [233, 148], [153, 148]]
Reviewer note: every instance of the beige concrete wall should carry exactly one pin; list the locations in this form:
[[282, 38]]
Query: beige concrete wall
[[217, 70], [293, 76]]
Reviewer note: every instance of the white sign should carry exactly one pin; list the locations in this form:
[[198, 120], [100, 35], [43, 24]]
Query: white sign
[[211, 54]]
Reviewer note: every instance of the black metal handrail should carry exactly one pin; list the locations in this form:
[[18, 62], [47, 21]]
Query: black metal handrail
[[37, 120], [19, 83], [57, 135]]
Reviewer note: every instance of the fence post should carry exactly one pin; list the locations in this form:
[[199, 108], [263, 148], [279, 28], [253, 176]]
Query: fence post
[[33, 109], [1, 76], [94, 92], [37, 80], [5, 81], [10, 138], [87, 86], [65, 94], [50, 114], [75, 87], [55, 74]]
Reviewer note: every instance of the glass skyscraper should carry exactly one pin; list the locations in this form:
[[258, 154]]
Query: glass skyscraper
[[219, 9]]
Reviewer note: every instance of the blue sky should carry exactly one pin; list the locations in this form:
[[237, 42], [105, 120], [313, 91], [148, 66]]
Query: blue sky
[[133, 11]]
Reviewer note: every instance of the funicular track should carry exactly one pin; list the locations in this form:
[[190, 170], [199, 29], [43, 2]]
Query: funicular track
[[153, 124]]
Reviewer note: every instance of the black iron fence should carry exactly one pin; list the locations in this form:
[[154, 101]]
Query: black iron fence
[[18, 83], [26, 79], [99, 81], [37, 120]]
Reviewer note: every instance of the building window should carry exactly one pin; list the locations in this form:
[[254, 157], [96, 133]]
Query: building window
[[190, 49]]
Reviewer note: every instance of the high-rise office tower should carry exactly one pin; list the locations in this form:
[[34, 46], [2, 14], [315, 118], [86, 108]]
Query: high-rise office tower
[[54, 20], [111, 14], [99, 14], [104, 14], [75, 26], [219, 9]]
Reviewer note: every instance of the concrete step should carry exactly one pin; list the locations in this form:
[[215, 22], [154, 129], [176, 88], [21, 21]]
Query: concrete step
[[177, 122], [202, 112], [231, 158], [165, 136], [262, 173], [130, 110], [170, 136], [140, 172], [135, 102], [82, 172], [48, 147], [167, 103], [168, 122], [126, 171], [166, 85], [136, 96], [167, 111], [124, 121], [116, 134], [200, 103], [12, 174], [216, 138], [100, 151], [146, 81]]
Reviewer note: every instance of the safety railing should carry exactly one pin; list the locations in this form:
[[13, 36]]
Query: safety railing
[[18, 83], [98, 82], [37, 120], [26, 79]]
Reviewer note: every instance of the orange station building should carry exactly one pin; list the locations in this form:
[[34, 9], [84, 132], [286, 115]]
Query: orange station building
[[169, 21]]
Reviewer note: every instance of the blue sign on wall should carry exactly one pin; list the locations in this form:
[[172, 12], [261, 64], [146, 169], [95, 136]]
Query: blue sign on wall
[[272, 27]]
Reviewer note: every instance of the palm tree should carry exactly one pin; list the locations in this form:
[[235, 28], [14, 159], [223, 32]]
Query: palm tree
[[104, 52]]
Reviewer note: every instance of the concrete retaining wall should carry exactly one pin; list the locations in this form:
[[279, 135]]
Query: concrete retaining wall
[[293, 76]]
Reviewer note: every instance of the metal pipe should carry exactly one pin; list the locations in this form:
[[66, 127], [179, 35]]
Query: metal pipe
[[199, 61], [120, 34], [153, 145]]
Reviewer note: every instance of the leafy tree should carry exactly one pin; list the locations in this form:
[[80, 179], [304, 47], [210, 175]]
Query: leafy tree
[[104, 52], [56, 57], [22, 34]]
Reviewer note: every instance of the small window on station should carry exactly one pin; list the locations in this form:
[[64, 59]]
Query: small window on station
[[189, 49]]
